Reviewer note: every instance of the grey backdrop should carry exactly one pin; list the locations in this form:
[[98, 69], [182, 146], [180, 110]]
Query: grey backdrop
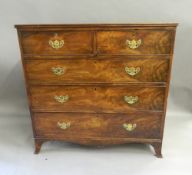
[[13, 107]]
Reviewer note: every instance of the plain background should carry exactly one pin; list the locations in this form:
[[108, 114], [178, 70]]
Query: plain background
[[16, 144]]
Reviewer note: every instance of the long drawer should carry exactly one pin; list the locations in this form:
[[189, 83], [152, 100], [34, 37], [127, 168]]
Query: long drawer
[[96, 71], [107, 99], [81, 125]]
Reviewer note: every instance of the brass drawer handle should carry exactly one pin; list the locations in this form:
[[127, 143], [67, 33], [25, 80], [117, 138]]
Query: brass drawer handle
[[133, 44], [62, 98], [131, 99], [132, 71], [56, 44], [63, 125], [58, 70], [129, 126]]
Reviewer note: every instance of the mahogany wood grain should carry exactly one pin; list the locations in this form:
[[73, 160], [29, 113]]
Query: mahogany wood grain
[[75, 42], [98, 52], [97, 125], [96, 98], [152, 42], [96, 71]]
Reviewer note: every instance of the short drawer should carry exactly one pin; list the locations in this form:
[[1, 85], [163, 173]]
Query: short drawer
[[57, 42], [81, 125], [96, 71], [109, 99], [135, 42]]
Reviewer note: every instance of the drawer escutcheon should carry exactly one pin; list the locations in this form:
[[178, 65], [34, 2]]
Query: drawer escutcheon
[[58, 70], [131, 99], [61, 98], [56, 44], [129, 126], [133, 44], [63, 125], [132, 71]]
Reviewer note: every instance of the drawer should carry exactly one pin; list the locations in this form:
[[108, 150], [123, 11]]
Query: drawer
[[81, 125], [108, 99], [96, 71], [135, 42], [57, 43]]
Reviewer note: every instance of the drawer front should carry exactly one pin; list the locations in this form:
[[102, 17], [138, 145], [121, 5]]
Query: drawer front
[[134, 42], [63, 125], [57, 43], [100, 71], [97, 99]]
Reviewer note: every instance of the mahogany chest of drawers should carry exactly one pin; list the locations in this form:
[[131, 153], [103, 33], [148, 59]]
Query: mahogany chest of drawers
[[97, 84]]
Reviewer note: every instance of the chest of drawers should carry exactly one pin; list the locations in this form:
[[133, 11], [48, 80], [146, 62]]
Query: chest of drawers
[[97, 84]]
